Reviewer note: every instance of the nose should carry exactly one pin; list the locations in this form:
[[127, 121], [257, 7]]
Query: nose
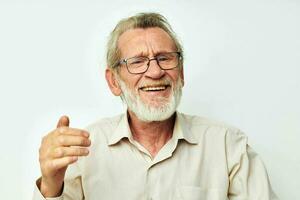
[[154, 71]]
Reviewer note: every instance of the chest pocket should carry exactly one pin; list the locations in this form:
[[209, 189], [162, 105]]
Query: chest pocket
[[198, 193]]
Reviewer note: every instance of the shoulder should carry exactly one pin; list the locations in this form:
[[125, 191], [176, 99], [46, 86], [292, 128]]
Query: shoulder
[[220, 137], [215, 132], [194, 122], [100, 131]]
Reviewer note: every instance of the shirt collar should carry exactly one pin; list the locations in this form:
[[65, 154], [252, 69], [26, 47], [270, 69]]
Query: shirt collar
[[122, 130], [181, 130]]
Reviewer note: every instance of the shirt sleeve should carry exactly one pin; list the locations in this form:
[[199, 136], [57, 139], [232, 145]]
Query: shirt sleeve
[[37, 195], [248, 178], [72, 188]]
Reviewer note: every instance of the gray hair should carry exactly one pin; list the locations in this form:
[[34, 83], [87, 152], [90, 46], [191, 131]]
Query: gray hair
[[141, 20]]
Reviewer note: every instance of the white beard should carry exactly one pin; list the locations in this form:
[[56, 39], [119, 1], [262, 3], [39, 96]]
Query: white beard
[[147, 112]]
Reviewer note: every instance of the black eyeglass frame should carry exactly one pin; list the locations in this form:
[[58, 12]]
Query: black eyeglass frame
[[179, 57]]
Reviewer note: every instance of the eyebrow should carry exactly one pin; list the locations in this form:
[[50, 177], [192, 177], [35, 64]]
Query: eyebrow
[[143, 54]]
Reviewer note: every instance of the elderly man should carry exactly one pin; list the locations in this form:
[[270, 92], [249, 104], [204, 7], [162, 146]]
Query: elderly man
[[152, 151]]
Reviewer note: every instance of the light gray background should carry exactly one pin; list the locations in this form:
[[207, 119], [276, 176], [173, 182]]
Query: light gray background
[[242, 67]]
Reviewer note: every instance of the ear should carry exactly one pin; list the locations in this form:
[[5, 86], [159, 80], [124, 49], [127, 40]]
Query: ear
[[182, 76], [112, 82]]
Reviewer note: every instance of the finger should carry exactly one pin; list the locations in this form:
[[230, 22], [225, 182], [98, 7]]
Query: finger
[[70, 151], [71, 140], [72, 131], [63, 121], [59, 163]]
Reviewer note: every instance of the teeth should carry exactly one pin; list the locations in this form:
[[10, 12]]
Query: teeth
[[154, 88]]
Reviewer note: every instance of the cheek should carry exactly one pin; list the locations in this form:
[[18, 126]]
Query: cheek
[[131, 80], [174, 76]]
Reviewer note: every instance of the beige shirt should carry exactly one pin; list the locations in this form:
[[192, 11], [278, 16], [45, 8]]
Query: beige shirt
[[204, 160]]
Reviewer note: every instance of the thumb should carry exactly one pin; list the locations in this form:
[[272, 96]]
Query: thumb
[[63, 121]]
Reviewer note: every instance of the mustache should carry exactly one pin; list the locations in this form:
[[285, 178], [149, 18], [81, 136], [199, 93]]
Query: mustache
[[162, 82]]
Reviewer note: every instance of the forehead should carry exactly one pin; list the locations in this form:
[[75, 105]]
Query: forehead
[[145, 41]]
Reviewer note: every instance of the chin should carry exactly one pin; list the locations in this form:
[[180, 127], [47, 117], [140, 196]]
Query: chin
[[156, 103]]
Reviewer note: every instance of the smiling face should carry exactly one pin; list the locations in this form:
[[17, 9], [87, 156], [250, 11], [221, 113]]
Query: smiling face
[[156, 90]]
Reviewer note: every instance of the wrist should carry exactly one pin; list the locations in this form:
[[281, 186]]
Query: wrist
[[50, 188]]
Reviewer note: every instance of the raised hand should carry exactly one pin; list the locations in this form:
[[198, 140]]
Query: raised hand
[[58, 150]]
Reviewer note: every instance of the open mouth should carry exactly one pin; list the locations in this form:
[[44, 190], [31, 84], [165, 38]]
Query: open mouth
[[154, 88]]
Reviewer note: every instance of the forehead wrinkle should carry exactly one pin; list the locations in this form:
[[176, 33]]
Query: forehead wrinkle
[[146, 42]]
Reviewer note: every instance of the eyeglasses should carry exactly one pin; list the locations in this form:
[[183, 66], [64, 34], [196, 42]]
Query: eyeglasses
[[140, 64]]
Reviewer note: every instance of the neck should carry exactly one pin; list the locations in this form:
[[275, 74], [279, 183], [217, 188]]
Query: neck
[[152, 135]]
